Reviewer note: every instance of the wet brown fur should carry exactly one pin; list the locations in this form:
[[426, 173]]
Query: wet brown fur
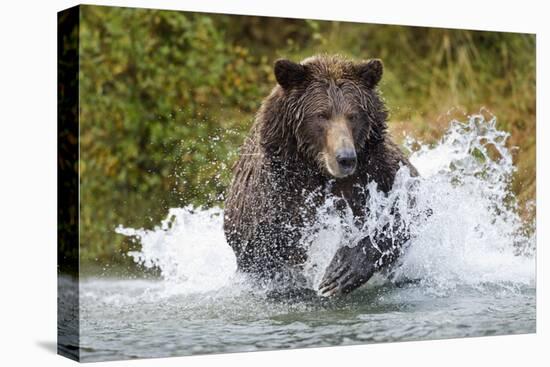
[[281, 161]]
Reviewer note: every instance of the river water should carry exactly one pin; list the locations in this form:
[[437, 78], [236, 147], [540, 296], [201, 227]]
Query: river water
[[468, 270]]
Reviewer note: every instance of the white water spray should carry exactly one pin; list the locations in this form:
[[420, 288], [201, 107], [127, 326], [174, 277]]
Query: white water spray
[[464, 224]]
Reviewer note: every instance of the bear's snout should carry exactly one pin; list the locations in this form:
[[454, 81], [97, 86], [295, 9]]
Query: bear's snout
[[340, 158], [346, 159]]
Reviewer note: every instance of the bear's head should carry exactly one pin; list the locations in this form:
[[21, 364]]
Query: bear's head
[[325, 109]]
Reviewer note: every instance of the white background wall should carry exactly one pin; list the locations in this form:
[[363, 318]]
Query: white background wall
[[28, 180]]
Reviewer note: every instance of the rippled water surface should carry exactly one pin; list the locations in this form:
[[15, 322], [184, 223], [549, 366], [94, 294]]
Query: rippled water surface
[[468, 270], [133, 319]]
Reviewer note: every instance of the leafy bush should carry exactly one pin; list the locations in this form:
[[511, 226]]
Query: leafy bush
[[159, 90]]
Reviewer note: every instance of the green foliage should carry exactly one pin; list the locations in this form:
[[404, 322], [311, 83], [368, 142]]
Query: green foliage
[[159, 92], [167, 97]]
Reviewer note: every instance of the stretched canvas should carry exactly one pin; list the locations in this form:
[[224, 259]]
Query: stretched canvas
[[234, 183]]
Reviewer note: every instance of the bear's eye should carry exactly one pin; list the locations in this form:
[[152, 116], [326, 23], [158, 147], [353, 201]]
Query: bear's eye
[[322, 116], [354, 117]]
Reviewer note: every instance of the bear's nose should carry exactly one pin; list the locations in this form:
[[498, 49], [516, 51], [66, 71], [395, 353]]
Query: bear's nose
[[346, 158]]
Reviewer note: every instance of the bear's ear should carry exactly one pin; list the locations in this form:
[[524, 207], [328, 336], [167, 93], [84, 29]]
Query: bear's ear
[[370, 72], [288, 73]]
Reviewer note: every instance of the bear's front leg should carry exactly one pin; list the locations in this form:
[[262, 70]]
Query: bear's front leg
[[352, 267]]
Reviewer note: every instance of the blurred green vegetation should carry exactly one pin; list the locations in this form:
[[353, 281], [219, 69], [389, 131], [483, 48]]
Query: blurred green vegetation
[[166, 99]]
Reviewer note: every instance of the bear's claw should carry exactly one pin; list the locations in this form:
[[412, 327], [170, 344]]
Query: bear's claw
[[349, 269]]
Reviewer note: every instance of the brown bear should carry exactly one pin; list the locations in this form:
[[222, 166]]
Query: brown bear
[[322, 131]]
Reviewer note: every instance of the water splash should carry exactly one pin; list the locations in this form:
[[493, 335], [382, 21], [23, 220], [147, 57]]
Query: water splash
[[188, 248], [475, 235], [464, 224]]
